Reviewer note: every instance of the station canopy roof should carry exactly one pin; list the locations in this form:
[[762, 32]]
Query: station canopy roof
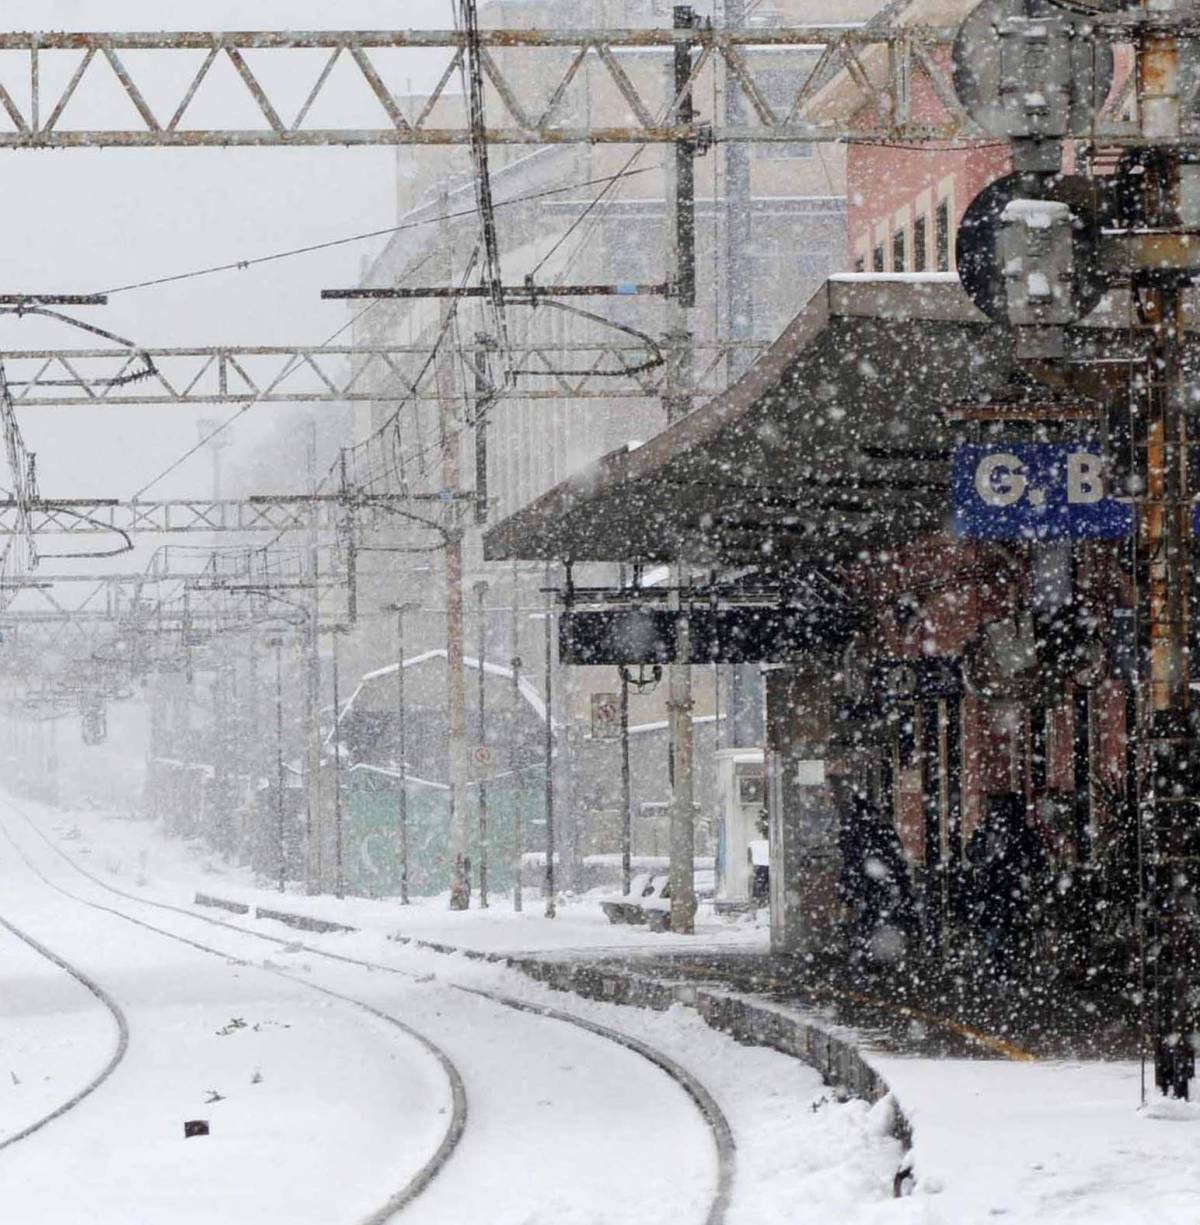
[[837, 440]]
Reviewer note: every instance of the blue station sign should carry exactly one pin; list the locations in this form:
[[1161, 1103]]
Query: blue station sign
[[1035, 491]]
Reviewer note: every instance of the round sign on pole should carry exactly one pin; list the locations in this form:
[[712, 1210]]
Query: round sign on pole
[[978, 249], [992, 55], [481, 755], [606, 715]]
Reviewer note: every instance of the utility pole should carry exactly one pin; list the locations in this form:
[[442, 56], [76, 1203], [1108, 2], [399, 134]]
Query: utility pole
[[339, 877], [1171, 797], [515, 752], [481, 589], [401, 744], [626, 791], [743, 717], [549, 699], [221, 747], [280, 822], [739, 301], [681, 222], [483, 397], [314, 856], [456, 698]]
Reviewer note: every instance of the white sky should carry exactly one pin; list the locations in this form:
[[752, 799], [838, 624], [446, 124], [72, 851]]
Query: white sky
[[86, 220]]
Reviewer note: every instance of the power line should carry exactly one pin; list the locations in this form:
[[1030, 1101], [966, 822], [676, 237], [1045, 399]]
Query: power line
[[243, 264], [245, 408], [626, 171]]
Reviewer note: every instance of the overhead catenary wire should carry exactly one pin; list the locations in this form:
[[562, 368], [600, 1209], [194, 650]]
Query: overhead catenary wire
[[625, 172], [245, 408], [242, 265]]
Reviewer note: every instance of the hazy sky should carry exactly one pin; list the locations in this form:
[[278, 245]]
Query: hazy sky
[[86, 220]]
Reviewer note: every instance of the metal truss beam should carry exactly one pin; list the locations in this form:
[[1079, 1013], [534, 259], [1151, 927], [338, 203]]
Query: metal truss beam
[[533, 81], [182, 377], [274, 513]]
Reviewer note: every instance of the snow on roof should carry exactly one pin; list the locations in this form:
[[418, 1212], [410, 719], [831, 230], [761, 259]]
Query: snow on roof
[[392, 772], [1036, 214], [903, 278], [662, 724], [528, 690]]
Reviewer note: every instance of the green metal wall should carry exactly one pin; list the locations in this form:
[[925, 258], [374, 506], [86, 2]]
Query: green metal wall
[[372, 840]]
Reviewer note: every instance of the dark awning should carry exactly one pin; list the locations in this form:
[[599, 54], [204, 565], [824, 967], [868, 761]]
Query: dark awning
[[836, 440]]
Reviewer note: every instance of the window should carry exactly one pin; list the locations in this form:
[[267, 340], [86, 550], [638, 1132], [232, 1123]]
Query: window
[[941, 227], [920, 258], [860, 264], [899, 254], [877, 258]]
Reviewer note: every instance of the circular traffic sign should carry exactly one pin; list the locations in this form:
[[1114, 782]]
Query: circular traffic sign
[[978, 245], [984, 74]]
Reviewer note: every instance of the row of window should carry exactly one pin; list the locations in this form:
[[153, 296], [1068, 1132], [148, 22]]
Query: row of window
[[920, 253]]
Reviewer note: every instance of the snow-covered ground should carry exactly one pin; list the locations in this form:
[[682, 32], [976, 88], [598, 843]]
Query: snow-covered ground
[[563, 1126], [1048, 1142], [131, 853]]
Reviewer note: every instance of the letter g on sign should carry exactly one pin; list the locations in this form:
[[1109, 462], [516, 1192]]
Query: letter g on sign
[[1000, 479]]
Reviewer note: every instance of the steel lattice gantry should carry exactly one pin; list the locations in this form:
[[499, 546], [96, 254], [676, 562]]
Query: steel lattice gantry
[[867, 75], [266, 513], [324, 374]]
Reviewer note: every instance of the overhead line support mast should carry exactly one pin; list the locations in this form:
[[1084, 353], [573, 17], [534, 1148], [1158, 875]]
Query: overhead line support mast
[[1037, 252]]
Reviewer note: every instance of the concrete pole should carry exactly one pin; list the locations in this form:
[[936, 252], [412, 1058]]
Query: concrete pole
[[402, 754], [744, 713], [626, 791], [314, 858], [1172, 787], [280, 821], [681, 221], [339, 871], [401, 746], [157, 745], [516, 756], [456, 695], [221, 790], [549, 887], [481, 589]]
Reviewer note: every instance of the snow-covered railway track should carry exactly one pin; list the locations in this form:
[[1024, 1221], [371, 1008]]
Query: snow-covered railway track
[[710, 1112], [113, 1009], [398, 1200]]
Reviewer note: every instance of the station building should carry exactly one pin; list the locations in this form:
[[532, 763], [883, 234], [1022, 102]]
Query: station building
[[948, 683]]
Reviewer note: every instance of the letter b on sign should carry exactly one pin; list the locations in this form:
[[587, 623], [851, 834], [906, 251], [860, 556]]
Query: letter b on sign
[[1085, 478]]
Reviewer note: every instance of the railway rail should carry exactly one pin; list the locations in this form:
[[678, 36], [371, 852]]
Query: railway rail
[[710, 1111], [456, 1124], [121, 1046]]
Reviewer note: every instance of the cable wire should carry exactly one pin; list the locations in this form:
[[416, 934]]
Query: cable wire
[[242, 265]]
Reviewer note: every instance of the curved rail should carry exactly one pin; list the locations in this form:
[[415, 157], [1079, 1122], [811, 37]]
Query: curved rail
[[999, 1046], [458, 1113], [114, 1010], [714, 1116]]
